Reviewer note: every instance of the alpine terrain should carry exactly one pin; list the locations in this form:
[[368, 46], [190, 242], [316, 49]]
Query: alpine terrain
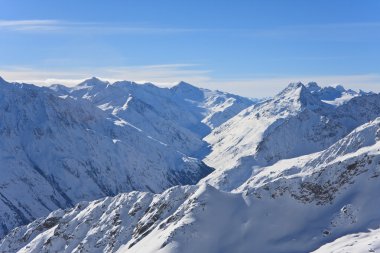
[[127, 167]]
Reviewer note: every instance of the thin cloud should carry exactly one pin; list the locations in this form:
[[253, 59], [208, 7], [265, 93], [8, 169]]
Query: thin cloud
[[329, 31], [86, 27], [28, 25], [323, 32]]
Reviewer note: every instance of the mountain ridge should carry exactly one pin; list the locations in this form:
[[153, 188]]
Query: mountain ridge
[[58, 151], [287, 197], [279, 165], [293, 123]]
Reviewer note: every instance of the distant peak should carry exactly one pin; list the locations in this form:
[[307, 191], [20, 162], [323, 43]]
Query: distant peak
[[340, 88], [313, 87], [2, 80], [183, 84], [124, 83], [295, 85], [291, 88], [93, 81], [188, 91], [298, 93]]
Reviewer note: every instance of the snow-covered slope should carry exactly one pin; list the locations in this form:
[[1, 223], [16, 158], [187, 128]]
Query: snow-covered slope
[[180, 116], [356, 243], [99, 226], [57, 151], [293, 123], [294, 205], [212, 107]]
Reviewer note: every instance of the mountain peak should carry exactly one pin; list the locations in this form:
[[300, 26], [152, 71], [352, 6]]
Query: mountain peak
[[332, 94], [93, 81], [185, 85], [292, 89], [297, 95], [340, 88], [294, 86], [313, 87], [124, 83], [188, 91], [2, 81]]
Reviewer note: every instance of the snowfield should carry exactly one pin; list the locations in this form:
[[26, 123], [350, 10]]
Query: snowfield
[[299, 172], [358, 243]]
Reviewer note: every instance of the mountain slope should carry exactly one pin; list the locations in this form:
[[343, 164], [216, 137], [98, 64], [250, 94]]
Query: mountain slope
[[293, 123], [359, 243], [98, 226], [295, 205], [57, 151], [179, 116]]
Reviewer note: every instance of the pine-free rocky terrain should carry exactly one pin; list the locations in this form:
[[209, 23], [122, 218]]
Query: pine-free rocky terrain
[[127, 167]]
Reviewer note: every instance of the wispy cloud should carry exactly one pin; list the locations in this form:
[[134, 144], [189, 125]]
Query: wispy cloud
[[329, 31], [27, 25], [62, 26]]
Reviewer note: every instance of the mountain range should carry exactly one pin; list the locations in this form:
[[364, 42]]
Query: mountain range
[[127, 167]]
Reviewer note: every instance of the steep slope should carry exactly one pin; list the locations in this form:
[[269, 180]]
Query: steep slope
[[359, 243], [57, 151], [180, 116], [295, 205], [293, 123], [212, 107], [99, 226]]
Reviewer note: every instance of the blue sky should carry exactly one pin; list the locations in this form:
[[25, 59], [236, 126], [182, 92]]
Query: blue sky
[[251, 47]]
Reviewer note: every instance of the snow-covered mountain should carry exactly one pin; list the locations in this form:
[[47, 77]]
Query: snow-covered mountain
[[56, 151], [333, 95], [294, 205], [295, 173], [294, 123], [180, 116]]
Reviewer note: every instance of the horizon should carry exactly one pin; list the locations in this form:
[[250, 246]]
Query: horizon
[[112, 82], [252, 48]]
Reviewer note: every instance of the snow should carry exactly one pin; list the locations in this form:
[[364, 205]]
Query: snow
[[359, 243], [265, 216], [55, 152], [340, 100], [292, 173], [180, 116], [275, 210], [294, 123]]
